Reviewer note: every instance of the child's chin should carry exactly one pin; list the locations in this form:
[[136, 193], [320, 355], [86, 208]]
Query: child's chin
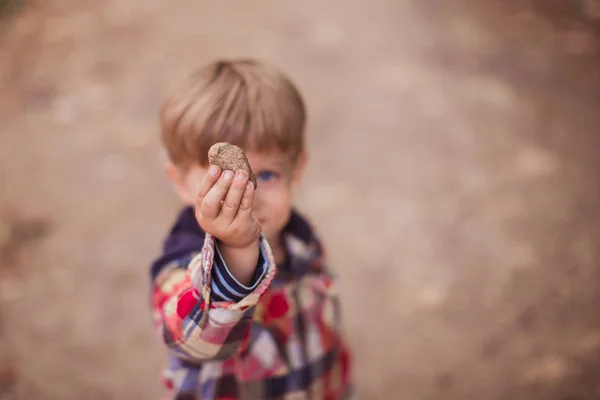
[[271, 231], [269, 235]]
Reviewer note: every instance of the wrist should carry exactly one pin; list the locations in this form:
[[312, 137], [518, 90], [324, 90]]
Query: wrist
[[248, 249], [241, 261]]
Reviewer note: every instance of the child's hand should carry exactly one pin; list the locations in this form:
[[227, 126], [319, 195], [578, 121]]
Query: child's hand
[[224, 208]]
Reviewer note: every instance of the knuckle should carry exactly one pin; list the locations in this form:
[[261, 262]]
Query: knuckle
[[230, 205], [203, 192], [206, 214], [210, 203], [245, 206]]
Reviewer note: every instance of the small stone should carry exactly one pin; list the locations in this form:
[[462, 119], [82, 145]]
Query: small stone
[[230, 157]]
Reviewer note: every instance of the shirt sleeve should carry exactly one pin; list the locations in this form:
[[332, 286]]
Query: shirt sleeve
[[224, 285], [201, 311]]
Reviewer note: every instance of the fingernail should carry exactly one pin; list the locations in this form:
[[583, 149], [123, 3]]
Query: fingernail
[[213, 170], [241, 175], [249, 186], [228, 175]]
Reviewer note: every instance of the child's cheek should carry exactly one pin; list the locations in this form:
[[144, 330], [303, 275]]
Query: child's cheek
[[272, 197], [193, 180]]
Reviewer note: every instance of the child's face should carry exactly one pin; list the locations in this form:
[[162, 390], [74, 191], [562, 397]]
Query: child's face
[[277, 177]]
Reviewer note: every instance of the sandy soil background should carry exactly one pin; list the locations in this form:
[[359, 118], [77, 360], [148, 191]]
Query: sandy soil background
[[454, 175]]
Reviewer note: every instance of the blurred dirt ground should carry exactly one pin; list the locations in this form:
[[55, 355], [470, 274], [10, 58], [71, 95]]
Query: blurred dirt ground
[[454, 176]]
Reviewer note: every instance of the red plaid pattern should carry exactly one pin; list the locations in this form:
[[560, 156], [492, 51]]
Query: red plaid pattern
[[281, 341]]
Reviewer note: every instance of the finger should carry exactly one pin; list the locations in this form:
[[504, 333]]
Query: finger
[[207, 182], [245, 208], [211, 205], [232, 200]]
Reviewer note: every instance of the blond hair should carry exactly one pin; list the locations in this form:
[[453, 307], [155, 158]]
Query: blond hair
[[243, 102]]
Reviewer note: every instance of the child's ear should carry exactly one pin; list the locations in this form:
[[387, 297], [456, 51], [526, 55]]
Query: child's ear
[[299, 168], [179, 181]]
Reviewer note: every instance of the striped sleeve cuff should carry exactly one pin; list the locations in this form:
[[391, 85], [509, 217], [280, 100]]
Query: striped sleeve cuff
[[225, 287]]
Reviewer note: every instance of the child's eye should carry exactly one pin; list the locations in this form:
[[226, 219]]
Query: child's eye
[[266, 176]]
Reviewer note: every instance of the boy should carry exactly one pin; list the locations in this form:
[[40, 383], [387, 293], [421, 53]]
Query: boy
[[242, 297]]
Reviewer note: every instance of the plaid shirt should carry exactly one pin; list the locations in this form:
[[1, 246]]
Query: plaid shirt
[[279, 338]]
